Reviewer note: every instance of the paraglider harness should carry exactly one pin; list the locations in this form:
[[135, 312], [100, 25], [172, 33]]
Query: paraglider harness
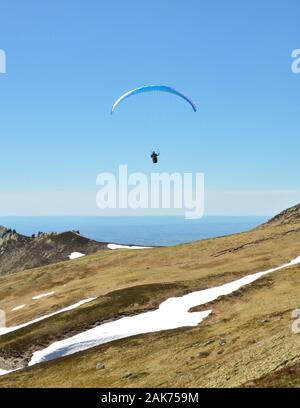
[[154, 156]]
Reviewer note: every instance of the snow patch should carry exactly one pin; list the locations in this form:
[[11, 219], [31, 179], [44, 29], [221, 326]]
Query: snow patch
[[4, 372], [171, 314], [43, 295], [75, 255], [18, 308], [5, 330], [117, 246]]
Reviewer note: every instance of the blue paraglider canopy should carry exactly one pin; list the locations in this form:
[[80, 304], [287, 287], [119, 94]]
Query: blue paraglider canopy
[[152, 88]]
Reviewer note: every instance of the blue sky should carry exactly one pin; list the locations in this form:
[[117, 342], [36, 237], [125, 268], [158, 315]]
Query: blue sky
[[67, 61]]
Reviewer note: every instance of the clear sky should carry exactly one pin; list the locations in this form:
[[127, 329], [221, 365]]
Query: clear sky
[[67, 61]]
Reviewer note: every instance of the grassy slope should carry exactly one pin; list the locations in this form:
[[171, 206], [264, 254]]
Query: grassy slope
[[287, 377], [255, 322]]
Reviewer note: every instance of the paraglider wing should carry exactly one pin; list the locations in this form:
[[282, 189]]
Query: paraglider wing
[[153, 88]]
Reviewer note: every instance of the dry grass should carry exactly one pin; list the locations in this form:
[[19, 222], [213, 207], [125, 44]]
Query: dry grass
[[107, 271], [258, 336], [255, 322]]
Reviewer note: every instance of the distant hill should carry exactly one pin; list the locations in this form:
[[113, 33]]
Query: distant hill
[[19, 252], [289, 216]]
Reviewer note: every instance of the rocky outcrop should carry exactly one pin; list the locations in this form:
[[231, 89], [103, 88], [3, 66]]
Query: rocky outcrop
[[19, 252], [289, 216]]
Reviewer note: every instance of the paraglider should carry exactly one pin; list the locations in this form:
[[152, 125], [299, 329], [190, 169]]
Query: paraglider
[[153, 88], [154, 156]]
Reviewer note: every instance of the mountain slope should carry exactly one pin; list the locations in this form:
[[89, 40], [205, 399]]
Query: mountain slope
[[247, 337], [289, 216]]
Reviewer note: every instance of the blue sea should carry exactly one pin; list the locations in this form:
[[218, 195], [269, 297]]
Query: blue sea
[[136, 230]]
